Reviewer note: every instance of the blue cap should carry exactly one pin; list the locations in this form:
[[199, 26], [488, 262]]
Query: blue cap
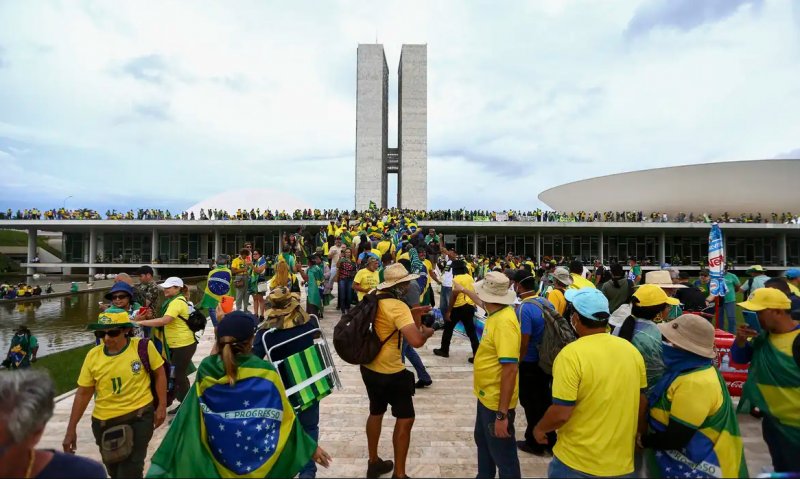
[[793, 273], [240, 325], [120, 286], [588, 302]]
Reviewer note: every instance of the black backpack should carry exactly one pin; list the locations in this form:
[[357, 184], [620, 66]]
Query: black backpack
[[354, 336], [557, 333], [196, 320]]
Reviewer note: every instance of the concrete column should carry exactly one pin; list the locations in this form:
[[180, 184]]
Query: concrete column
[[217, 243], [782, 249], [204, 245], [92, 251], [475, 243], [32, 249], [600, 254], [538, 247], [154, 246], [662, 249]]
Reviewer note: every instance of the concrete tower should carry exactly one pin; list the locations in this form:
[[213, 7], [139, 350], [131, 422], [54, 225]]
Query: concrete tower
[[374, 159]]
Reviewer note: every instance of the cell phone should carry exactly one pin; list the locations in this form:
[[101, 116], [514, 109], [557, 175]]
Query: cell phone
[[751, 318]]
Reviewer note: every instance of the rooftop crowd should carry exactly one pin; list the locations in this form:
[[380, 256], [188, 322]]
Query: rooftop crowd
[[537, 215]]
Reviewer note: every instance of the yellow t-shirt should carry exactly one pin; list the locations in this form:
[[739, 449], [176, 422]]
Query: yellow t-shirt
[[579, 282], [177, 331], [429, 267], [238, 263], [794, 289], [366, 279], [404, 256], [783, 401], [556, 297], [602, 377], [499, 345], [120, 382], [468, 283], [384, 247], [392, 316]]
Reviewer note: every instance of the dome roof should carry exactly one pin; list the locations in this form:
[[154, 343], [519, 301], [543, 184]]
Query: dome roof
[[263, 198], [737, 187]]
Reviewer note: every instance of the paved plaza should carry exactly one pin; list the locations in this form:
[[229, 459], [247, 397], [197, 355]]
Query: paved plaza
[[441, 443]]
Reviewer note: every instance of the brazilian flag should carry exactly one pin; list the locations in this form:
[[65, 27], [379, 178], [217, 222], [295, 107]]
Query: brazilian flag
[[218, 284], [245, 430]]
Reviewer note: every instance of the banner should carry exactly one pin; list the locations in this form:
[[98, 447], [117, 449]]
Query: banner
[[481, 218], [501, 217], [716, 261]]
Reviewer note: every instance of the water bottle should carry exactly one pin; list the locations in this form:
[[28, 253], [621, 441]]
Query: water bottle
[[725, 365]]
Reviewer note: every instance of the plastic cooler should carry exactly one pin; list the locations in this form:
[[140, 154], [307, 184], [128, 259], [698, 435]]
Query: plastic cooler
[[733, 373]]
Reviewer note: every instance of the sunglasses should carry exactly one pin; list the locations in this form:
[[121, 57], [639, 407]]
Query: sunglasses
[[111, 333], [119, 296]]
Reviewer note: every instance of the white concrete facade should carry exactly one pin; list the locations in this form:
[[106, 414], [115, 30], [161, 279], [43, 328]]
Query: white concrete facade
[[412, 129], [372, 126], [374, 159]]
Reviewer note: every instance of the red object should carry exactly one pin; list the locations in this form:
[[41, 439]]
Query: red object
[[733, 373], [227, 303]]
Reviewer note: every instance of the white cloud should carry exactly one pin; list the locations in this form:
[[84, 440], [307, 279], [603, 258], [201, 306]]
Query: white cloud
[[522, 96]]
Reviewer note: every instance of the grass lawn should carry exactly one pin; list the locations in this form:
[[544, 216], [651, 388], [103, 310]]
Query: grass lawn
[[20, 238], [64, 367]]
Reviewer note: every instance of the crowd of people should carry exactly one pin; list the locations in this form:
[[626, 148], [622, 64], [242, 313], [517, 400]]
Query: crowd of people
[[578, 349], [537, 216], [22, 290]]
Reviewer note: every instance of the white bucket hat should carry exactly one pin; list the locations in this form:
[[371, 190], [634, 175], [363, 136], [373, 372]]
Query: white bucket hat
[[661, 278], [494, 289], [691, 333]]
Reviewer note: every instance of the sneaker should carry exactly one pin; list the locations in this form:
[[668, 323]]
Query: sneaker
[[378, 468], [441, 353], [423, 384], [525, 447], [471, 360]]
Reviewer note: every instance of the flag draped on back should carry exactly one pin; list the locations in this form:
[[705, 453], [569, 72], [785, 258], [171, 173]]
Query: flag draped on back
[[245, 430]]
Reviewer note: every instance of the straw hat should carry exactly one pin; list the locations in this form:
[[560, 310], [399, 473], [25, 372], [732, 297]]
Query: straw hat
[[396, 274], [691, 333], [661, 278], [494, 289], [285, 312]]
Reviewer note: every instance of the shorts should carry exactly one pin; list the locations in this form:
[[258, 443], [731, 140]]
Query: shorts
[[384, 389]]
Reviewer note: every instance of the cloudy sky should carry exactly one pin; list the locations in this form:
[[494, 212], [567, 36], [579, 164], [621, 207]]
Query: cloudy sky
[[161, 104]]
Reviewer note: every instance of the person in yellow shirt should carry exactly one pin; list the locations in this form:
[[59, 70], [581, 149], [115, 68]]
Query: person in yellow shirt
[[578, 281], [115, 375], [462, 309], [495, 382], [180, 341], [793, 280], [386, 378], [561, 281], [367, 278], [598, 382]]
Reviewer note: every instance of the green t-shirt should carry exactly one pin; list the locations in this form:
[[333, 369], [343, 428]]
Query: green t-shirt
[[731, 281]]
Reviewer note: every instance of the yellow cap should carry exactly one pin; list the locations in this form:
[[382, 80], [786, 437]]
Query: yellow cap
[[767, 298], [652, 295]]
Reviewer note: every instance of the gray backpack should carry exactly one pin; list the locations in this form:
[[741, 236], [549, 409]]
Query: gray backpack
[[557, 334]]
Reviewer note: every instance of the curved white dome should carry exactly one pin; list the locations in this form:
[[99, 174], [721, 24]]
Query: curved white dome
[[252, 198]]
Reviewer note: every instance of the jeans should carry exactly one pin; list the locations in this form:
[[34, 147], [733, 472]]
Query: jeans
[[413, 357], [242, 300], [727, 317], [559, 469], [535, 396], [781, 450], [495, 454], [465, 314], [345, 294], [133, 465], [444, 298], [212, 315], [309, 419]]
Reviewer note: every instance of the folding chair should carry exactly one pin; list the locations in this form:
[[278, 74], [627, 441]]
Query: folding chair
[[309, 375]]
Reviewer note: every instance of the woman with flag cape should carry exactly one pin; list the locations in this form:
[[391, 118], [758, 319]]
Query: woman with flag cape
[[236, 421], [693, 426]]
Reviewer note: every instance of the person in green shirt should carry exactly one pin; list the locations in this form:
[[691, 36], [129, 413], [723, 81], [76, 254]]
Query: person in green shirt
[[635, 273], [727, 314], [313, 277]]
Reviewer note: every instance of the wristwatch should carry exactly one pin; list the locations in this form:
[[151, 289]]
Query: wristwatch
[[500, 416]]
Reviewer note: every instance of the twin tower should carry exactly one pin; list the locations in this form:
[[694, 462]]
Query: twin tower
[[375, 160]]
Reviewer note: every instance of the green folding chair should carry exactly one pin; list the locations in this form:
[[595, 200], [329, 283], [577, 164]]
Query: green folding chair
[[310, 375]]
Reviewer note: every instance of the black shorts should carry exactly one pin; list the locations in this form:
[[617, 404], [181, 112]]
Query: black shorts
[[396, 389]]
